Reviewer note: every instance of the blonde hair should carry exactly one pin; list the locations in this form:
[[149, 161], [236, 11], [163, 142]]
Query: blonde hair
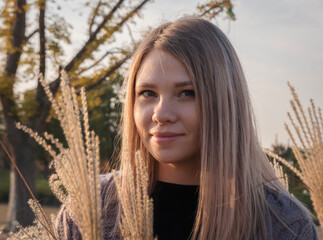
[[233, 168]]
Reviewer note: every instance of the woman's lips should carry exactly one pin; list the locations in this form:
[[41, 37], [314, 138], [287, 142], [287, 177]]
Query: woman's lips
[[166, 137]]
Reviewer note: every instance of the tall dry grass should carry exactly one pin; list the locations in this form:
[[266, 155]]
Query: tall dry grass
[[307, 140], [282, 177], [76, 180], [136, 211], [41, 229]]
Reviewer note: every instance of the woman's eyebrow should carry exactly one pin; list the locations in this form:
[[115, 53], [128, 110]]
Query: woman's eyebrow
[[178, 84], [147, 85], [183, 84]]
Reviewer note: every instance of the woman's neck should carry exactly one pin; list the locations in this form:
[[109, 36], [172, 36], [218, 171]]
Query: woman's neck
[[175, 173]]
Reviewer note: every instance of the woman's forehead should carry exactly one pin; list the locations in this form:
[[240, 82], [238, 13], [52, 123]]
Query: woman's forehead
[[159, 65]]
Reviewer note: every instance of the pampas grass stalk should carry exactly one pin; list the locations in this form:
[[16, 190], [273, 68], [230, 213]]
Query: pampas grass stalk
[[76, 181], [136, 212], [307, 146], [283, 178]]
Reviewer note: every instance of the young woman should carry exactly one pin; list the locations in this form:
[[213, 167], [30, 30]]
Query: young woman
[[188, 112]]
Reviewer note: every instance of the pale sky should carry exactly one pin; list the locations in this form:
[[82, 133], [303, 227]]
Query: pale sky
[[277, 41]]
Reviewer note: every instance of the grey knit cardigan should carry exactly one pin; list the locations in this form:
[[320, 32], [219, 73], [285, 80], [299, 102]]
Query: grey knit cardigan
[[297, 225]]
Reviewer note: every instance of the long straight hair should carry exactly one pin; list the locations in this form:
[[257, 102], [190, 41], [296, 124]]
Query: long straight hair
[[233, 169]]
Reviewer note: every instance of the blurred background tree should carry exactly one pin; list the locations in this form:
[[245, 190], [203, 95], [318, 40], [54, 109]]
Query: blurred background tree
[[29, 47]]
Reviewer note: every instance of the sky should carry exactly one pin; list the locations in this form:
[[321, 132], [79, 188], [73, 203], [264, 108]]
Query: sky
[[277, 41]]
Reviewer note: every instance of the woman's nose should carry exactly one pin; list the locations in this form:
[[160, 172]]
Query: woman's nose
[[164, 112]]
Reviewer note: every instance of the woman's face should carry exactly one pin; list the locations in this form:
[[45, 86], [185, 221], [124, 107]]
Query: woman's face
[[166, 111]]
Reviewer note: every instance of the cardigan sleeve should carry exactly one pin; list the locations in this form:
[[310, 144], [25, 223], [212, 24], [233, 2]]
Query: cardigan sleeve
[[65, 226], [302, 229], [288, 221], [308, 231]]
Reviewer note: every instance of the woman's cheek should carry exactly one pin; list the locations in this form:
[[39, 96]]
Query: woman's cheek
[[142, 119]]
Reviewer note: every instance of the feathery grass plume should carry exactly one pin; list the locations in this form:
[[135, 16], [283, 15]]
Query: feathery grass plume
[[136, 213], [279, 173], [309, 153], [37, 230], [285, 162], [76, 181], [308, 148]]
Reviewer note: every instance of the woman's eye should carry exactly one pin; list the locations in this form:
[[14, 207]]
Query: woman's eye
[[187, 93], [147, 94]]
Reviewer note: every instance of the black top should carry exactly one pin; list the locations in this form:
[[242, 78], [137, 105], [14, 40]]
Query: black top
[[174, 210]]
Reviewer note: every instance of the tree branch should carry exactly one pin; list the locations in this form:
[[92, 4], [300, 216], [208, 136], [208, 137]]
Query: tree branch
[[79, 55], [97, 61], [220, 9], [54, 86], [130, 14], [131, 36], [111, 70], [31, 35], [95, 12], [214, 8], [40, 93]]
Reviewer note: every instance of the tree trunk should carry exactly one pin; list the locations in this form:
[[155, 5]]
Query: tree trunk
[[24, 147], [21, 144], [24, 155], [4, 160]]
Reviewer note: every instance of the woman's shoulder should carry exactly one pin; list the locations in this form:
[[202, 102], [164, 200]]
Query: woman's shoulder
[[288, 219]]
